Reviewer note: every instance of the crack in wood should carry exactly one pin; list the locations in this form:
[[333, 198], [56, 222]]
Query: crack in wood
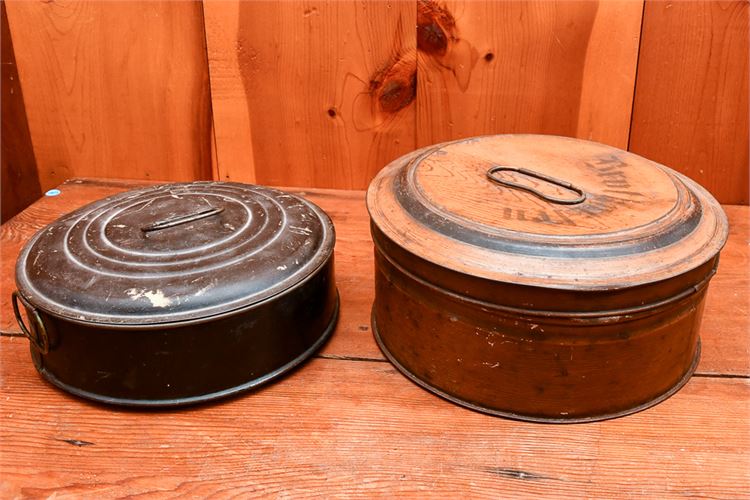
[[721, 375], [343, 195], [516, 474], [350, 358], [76, 442], [115, 183]]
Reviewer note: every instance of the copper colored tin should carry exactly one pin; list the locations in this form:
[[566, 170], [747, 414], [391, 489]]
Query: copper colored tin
[[541, 278], [179, 293]]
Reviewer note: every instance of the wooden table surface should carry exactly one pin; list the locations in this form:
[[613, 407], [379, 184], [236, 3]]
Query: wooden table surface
[[347, 423]]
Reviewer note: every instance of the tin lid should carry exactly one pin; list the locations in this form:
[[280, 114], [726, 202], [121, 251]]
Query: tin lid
[[546, 211], [173, 253]]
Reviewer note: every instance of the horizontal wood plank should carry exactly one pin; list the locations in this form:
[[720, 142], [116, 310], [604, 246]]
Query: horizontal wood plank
[[353, 427], [725, 330]]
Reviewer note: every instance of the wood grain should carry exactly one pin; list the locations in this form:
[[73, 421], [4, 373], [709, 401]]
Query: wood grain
[[231, 116], [725, 328], [313, 94], [20, 180], [327, 89], [691, 99], [565, 68], [359, 428], [115, 89]]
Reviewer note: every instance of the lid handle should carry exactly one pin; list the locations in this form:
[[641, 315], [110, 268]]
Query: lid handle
[[182, 219], [530, 173]]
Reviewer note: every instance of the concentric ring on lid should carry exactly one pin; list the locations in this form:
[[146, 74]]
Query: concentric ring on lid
[[173, 253]]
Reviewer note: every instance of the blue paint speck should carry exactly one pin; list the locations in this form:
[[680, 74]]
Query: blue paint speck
[[52, 192]]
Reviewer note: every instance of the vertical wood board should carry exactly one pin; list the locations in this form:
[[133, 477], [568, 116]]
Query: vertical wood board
[[691, 100], [563, 68], [231, 115], [20, 180], [327, 89], [114, 89]]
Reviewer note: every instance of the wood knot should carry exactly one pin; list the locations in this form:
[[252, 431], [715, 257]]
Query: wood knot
[[395, 86], [436, 27], [431, 39], [397, 94], [489, 56]]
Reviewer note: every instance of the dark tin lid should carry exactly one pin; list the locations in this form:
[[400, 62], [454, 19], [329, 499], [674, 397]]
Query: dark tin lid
[[174, 253]]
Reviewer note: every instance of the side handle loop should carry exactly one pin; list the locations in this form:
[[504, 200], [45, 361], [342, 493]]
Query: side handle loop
[[536, 175], [39, 338]]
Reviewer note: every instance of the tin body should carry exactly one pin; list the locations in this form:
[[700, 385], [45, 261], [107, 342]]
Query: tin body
[[586, 308], [178, 294]]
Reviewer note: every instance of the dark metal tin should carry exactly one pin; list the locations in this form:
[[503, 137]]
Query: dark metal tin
[[178, 294]]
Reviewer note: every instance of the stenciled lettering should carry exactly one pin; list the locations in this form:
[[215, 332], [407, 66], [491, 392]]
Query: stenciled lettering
[[609, 169]]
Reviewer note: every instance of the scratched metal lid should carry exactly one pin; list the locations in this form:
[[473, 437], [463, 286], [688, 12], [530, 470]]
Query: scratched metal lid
[[546, 211], [174, 253]]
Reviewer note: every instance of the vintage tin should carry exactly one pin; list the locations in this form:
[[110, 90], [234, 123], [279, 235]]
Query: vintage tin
[[178, 293], [541, 278]]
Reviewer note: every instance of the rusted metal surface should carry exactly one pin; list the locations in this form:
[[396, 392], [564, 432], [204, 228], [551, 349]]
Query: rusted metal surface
[[505, 300], [178, 293]]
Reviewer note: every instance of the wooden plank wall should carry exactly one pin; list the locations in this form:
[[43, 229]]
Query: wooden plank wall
[[691, 100], [20, 179], [114, 89], [325, 93], [562, 68]]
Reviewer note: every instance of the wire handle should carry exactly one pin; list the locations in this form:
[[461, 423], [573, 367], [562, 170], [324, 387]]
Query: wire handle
[[39, 339], [182, 219], [530, 173]]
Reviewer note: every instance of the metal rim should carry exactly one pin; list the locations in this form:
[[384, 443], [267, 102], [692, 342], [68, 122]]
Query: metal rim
[[196, 321]]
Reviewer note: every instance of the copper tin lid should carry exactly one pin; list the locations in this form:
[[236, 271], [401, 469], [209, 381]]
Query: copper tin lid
[[174, 253], [553, 212]]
